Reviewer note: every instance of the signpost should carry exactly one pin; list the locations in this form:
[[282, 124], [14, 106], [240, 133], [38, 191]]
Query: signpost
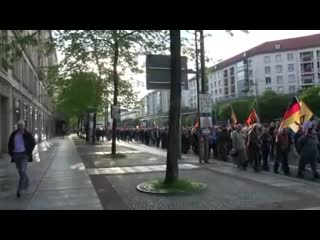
[[158, 69]]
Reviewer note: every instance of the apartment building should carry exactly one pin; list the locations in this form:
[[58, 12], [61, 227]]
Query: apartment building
[[284, 66]]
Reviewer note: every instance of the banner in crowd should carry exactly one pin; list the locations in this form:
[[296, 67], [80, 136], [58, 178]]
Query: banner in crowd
[[206, 122], [233, 116]]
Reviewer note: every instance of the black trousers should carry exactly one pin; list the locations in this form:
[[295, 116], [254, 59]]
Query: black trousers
[[303, 163], [282, 157], [254, 156], [265, 155], [157, 142]]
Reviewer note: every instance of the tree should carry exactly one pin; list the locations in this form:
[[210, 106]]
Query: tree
[[109, 50], [79, 93], [311, 96], [175, 102]]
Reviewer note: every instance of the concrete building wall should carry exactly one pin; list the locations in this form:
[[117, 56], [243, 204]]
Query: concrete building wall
[[22, 94]]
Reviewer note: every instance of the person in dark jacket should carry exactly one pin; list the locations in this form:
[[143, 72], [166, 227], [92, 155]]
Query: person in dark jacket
[[271, 130], [266, 141], [254, 146], [20, 147], [308, 149], [224, 140], [282, 151]]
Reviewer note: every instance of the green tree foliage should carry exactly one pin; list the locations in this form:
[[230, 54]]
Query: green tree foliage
[[79, 93], [272, 106], [311, 96]]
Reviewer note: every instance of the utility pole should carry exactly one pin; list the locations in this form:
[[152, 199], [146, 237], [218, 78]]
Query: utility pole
[[198, 91], [203, 89]]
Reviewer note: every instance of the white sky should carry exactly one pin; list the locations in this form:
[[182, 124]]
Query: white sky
[[223, 46]]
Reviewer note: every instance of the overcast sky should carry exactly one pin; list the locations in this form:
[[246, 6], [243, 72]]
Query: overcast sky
[[223, 46]]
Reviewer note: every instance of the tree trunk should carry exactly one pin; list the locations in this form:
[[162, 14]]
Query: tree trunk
[[78, 127], [94, 132], [115, 93], [175, 102]]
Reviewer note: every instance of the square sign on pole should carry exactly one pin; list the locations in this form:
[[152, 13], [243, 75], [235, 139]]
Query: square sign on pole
[[115, 112], [205, 103], [158, 72]]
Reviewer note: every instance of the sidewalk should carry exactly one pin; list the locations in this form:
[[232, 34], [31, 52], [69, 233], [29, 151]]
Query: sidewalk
[[58, 180]]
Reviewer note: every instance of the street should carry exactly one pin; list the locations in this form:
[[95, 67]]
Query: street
[[71, 174]]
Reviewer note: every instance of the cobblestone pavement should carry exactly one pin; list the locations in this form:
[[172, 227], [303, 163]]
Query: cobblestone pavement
[[228, 186]]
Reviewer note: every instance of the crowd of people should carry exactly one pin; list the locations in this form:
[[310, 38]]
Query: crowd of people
[[254, 146]]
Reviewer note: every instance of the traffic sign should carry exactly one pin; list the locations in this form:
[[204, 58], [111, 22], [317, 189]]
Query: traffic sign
[[115, 112], [158, 72], [205, 103]]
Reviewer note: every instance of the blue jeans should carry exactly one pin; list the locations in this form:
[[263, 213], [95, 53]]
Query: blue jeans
[[21, 161]]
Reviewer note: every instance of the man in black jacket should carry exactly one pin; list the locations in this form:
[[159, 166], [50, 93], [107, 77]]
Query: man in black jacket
[[20, 147]]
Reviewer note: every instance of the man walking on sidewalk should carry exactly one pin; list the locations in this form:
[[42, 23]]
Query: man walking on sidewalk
[[20, 147]]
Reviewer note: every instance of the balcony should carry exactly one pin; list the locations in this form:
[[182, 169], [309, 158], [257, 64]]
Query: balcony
[[307, 70], [306, 58], [307, 80]]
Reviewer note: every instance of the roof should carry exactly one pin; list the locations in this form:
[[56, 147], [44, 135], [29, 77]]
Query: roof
[[288, 44]]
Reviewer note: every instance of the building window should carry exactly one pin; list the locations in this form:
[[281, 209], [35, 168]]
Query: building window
[[278, 69], [280, 89], [3, 53], [267, 59], [292, 78], [292, 89], [279, 79], [216, 91], [268, 80], [250, 63], [277, 46], [219, 82], [226, 82], [232, 80], [290, 56], [226, 91], [290, 68], [219, 90], [233, 89], [278, 58], [267, 70], [225, 73], [307, 67], [231, 71], [306, 56], [211, 85], [215, 84]]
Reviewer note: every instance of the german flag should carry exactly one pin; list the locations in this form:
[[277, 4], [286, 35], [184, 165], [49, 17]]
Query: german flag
[[233, 116], [292, 115], [253, 118], [305, 114]]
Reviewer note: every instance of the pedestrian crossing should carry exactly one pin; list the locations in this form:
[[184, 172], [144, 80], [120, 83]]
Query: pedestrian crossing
[[135, 169]]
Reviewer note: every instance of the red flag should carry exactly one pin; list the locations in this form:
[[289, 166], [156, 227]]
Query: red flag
[[197, 124], [253, 118]]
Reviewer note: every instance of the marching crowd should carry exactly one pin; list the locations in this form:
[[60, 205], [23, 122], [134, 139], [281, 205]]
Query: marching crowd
[[255, 146]]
